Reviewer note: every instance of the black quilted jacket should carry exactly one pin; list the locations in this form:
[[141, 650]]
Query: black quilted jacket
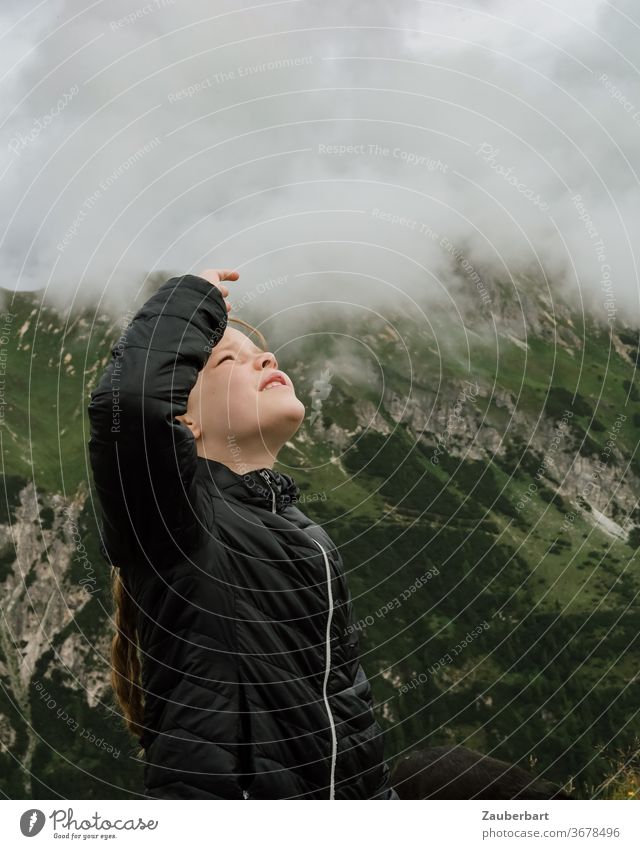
[[252, 680]]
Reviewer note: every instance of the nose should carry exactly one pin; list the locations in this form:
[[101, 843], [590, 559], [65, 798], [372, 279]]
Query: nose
[[266, 358]]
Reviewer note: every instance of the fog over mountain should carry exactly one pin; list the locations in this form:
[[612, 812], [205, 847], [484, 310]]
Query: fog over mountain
[[352, 151], [436, 205]]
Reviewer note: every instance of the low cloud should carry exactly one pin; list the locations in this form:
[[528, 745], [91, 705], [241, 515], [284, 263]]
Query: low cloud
[[363, 149]]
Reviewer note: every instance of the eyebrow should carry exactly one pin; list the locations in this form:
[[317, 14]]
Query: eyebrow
[[221, 349]]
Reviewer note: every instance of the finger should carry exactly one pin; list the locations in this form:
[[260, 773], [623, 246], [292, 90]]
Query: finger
[[215, 275], [228, 274]]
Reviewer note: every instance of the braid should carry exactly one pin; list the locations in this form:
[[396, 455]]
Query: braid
[[125, 662]]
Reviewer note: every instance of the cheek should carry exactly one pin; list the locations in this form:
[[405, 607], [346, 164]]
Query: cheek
[[240, 397]]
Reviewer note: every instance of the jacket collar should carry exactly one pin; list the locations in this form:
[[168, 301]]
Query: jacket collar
[[263, 487]]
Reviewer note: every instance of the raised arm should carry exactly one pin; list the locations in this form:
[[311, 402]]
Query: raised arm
[[143, 460]]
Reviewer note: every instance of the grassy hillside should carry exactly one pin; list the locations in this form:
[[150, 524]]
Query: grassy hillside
[[495, 589]]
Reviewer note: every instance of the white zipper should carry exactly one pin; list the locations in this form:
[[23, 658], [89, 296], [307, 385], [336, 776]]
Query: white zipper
[[334, 741]]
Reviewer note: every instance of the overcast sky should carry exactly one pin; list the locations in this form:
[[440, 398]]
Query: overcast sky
[[345, 150]]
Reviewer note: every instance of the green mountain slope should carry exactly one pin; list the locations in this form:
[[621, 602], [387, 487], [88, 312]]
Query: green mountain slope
[[483, 492]]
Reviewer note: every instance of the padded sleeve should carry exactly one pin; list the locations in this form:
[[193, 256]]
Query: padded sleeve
[[143, 460]]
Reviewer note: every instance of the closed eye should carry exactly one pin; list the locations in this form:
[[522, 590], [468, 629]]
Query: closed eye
[[226, 357]]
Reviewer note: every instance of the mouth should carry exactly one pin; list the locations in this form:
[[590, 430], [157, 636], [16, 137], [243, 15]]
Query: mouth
[[275, 379]]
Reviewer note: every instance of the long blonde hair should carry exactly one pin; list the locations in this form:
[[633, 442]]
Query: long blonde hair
[[125, 659]]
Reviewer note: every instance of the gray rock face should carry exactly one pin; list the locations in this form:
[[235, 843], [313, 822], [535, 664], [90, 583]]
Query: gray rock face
[[40, 599]]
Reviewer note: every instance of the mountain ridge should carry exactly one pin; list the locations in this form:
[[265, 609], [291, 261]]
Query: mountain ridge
[[431, 447]]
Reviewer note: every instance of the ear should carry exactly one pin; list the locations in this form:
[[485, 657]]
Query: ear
[[193, 426]]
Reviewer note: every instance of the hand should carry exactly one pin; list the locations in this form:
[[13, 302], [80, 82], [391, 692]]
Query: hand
[[216, 275]]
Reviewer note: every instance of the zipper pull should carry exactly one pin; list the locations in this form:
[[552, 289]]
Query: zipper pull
[[265, 475]]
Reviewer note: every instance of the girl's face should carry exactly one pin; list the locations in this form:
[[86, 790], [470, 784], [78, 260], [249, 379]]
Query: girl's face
[[231, 401]]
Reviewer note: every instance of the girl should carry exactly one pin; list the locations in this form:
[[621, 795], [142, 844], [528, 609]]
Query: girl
[[235, 660]]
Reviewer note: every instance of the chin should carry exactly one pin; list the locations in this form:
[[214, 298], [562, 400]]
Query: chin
[[282, 419], [287, 403], [293, 410], [288, 419]]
